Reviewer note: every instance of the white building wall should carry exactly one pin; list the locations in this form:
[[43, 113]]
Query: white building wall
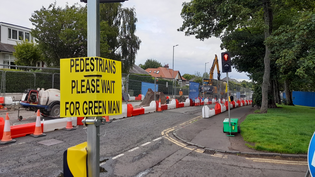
[[4, 33], [1, 59]]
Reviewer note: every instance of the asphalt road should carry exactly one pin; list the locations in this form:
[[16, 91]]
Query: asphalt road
[[138, 146]]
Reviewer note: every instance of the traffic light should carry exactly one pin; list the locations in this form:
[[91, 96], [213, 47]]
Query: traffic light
[[226, 62]]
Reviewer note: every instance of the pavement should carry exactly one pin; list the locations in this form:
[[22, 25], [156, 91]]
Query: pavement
[[207, 133]]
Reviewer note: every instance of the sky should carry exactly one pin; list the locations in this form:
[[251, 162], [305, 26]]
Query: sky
[[158, 21]]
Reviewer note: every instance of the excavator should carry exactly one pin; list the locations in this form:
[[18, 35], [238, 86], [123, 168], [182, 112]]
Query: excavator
[[208, 83]]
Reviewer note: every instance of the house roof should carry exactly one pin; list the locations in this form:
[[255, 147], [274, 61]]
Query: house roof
[[137, 70], [162, 72], [6, 48], [10, 24], [230, 79]]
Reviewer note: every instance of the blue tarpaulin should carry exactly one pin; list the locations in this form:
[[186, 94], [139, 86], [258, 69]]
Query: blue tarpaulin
[[193, 90], [303, 98], [145, 86]]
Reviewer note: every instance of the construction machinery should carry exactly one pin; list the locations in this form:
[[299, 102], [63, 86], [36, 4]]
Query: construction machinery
[[47, 101], [208, 84]]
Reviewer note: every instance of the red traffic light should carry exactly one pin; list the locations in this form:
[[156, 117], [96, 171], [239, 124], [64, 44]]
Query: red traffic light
[[226, 57]]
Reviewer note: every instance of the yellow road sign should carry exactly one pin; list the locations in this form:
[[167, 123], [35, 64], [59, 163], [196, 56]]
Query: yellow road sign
[[90, 86]]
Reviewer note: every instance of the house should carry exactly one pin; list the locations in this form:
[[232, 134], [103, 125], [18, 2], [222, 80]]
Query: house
[[10, 34], [137, 70], [167, 74], [230, 79]]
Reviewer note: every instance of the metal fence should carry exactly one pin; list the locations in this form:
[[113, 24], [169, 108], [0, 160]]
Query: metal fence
[[134, 85], [19, 81], [218, 90]]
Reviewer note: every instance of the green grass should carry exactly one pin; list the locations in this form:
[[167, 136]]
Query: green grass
[[287, 129]]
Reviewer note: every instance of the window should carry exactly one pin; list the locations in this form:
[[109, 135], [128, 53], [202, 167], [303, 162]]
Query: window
[[14, 34], [27, 36], [9, 33], [21, 35], [157, 72], [149, 71], [154, 72]]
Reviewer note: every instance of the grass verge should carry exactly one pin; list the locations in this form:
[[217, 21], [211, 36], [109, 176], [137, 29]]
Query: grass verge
[[287, 129]]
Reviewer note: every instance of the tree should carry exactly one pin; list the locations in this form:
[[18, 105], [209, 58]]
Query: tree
[[151, 63], [188, 76], [26, 53], [118, 39], [207, 18], [60, 33], [292, 46], [205, 75]]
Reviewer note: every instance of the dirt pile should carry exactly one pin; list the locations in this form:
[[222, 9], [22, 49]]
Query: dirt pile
[[149, 96], [181, 99]]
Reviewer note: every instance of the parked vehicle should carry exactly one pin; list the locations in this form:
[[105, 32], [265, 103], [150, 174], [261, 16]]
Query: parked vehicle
[[47, 101]]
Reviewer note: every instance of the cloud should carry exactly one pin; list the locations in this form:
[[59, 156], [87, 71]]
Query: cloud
[[157, 26]]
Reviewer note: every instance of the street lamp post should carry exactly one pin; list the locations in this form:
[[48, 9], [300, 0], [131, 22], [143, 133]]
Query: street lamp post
[[203, 86], [204, 78], [173, 72]]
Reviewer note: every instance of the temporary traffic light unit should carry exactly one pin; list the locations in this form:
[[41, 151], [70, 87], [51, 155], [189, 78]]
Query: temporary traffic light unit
[[75, 161], [226, 62]]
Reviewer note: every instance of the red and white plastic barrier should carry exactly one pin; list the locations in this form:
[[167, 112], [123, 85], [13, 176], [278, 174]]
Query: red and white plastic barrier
[[207, 112], [127, 111], [57, 124], [223, 108], [172, 105], [187, 102], [140, 97], [123, 115], [151, 108]]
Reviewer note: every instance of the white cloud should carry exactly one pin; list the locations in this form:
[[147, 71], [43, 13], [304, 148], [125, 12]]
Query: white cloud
[[157, 26]]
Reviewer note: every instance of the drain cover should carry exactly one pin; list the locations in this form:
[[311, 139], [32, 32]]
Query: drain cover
[[50, 142]]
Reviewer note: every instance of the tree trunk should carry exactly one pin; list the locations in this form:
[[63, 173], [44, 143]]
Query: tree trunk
[[266, 77], [287, 91], [271, 91], [276, 92]]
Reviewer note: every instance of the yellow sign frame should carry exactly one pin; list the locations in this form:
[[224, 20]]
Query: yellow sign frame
[[90, 86]]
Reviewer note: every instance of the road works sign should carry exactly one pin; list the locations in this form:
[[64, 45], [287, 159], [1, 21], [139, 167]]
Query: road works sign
[[90, 86], [311, 156]]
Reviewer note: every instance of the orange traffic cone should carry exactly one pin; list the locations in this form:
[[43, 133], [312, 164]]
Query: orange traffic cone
[[69, 124], [38, 127], [107, 119], [6, 137], [159, 108]]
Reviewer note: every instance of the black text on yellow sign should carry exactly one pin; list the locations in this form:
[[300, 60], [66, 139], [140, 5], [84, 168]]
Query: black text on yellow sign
[[90, 86]]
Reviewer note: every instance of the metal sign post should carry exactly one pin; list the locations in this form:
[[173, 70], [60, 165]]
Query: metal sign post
[[227, 85], [93, 126], [91, 87]]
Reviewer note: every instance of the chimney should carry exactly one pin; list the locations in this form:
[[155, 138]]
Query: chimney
[[166, 66]]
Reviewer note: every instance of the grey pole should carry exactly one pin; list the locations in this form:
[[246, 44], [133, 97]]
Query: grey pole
[[204, 104], [203, 83], [127, 86], [154, 88], [93, 129], [173, 73], [227, 75]]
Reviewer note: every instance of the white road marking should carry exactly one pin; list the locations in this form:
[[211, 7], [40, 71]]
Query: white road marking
[[118, 156], [278, 161], [145, 144], [157, 139], [133, 149]]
